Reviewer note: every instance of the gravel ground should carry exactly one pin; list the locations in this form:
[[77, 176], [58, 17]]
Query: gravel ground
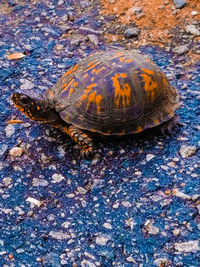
[[138, 206]]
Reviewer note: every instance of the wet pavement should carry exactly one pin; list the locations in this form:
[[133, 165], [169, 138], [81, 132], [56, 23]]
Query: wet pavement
[[138, 206]]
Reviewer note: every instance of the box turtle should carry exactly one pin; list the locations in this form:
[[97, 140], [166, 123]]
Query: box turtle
[[113, 92]]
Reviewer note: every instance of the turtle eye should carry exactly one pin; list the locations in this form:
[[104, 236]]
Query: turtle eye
[[24, 99]]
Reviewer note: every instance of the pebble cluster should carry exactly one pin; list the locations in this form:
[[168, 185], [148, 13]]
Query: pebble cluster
[[137, 206]]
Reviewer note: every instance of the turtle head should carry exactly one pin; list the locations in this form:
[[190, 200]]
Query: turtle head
[[35, 106]]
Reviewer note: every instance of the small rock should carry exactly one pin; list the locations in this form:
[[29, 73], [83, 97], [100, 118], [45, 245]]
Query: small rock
[[7, 181], [192, 29], [186, 247], [178, 193], [60, 2], [39, 182], [182, 49], [131, 32], [9, 130], [135, 10], [179, 3], [198, 208], [102, 240], [93, 39], [187, 151], [150, 228], [51, 217], [176, 232], [122, 151], [76, 41], [115, 206], [112, 1], [28, 47], [84, 4], [130, 223], [66, 224], [89, 30], [71, 16], [59, 235], [107, 225], [57, 178], [126, 204], [194, 13], [34, 201], [3, 149], [26, 84], [130, 259], [81, 190], [86, 263], [149, 157], [16, 152], [162, 262]]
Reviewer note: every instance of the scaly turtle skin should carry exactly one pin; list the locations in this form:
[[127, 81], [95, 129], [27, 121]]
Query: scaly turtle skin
[[113, 92]]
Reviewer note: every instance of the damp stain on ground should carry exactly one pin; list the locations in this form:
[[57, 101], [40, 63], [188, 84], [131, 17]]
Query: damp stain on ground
[[139, 205]]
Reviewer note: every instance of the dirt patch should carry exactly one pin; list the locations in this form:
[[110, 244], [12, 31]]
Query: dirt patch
[[156, 18]]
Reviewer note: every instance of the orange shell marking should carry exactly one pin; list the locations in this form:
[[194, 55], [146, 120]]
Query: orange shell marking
[[150, 86], [123, 93], [92, 97], [70, 71], [67, 85], [71, 90], [92, 66], [123, 59]]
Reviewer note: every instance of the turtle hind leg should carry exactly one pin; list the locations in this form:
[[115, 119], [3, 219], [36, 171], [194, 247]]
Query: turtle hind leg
[[167, 126], [83, 140]]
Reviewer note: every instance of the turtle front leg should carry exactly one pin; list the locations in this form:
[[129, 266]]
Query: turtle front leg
[[82, 139]]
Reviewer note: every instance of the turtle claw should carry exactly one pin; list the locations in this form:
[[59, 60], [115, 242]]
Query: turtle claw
[[87, 152]]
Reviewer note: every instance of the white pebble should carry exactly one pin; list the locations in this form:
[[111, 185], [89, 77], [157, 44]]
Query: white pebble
[[102, 240], [150, 228], [26, 84], [194, 13], [81, 190], [66, 224], [180, 194], [86, 263], [176, 232], [185, 247], [130, 259], [34, 201], [59, 235], [126, 204], [7, 181], [149, 157], [57, 178], [130, 223], [9, 130], [187, 151], [115, 206], [39, 182], [107, 225]]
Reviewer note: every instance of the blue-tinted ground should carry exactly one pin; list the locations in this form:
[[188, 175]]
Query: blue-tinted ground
[[138, 207]]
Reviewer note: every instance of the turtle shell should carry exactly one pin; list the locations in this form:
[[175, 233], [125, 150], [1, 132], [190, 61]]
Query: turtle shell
[[114, 92]]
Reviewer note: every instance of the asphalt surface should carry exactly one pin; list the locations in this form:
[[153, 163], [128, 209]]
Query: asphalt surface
[[137, 206]]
